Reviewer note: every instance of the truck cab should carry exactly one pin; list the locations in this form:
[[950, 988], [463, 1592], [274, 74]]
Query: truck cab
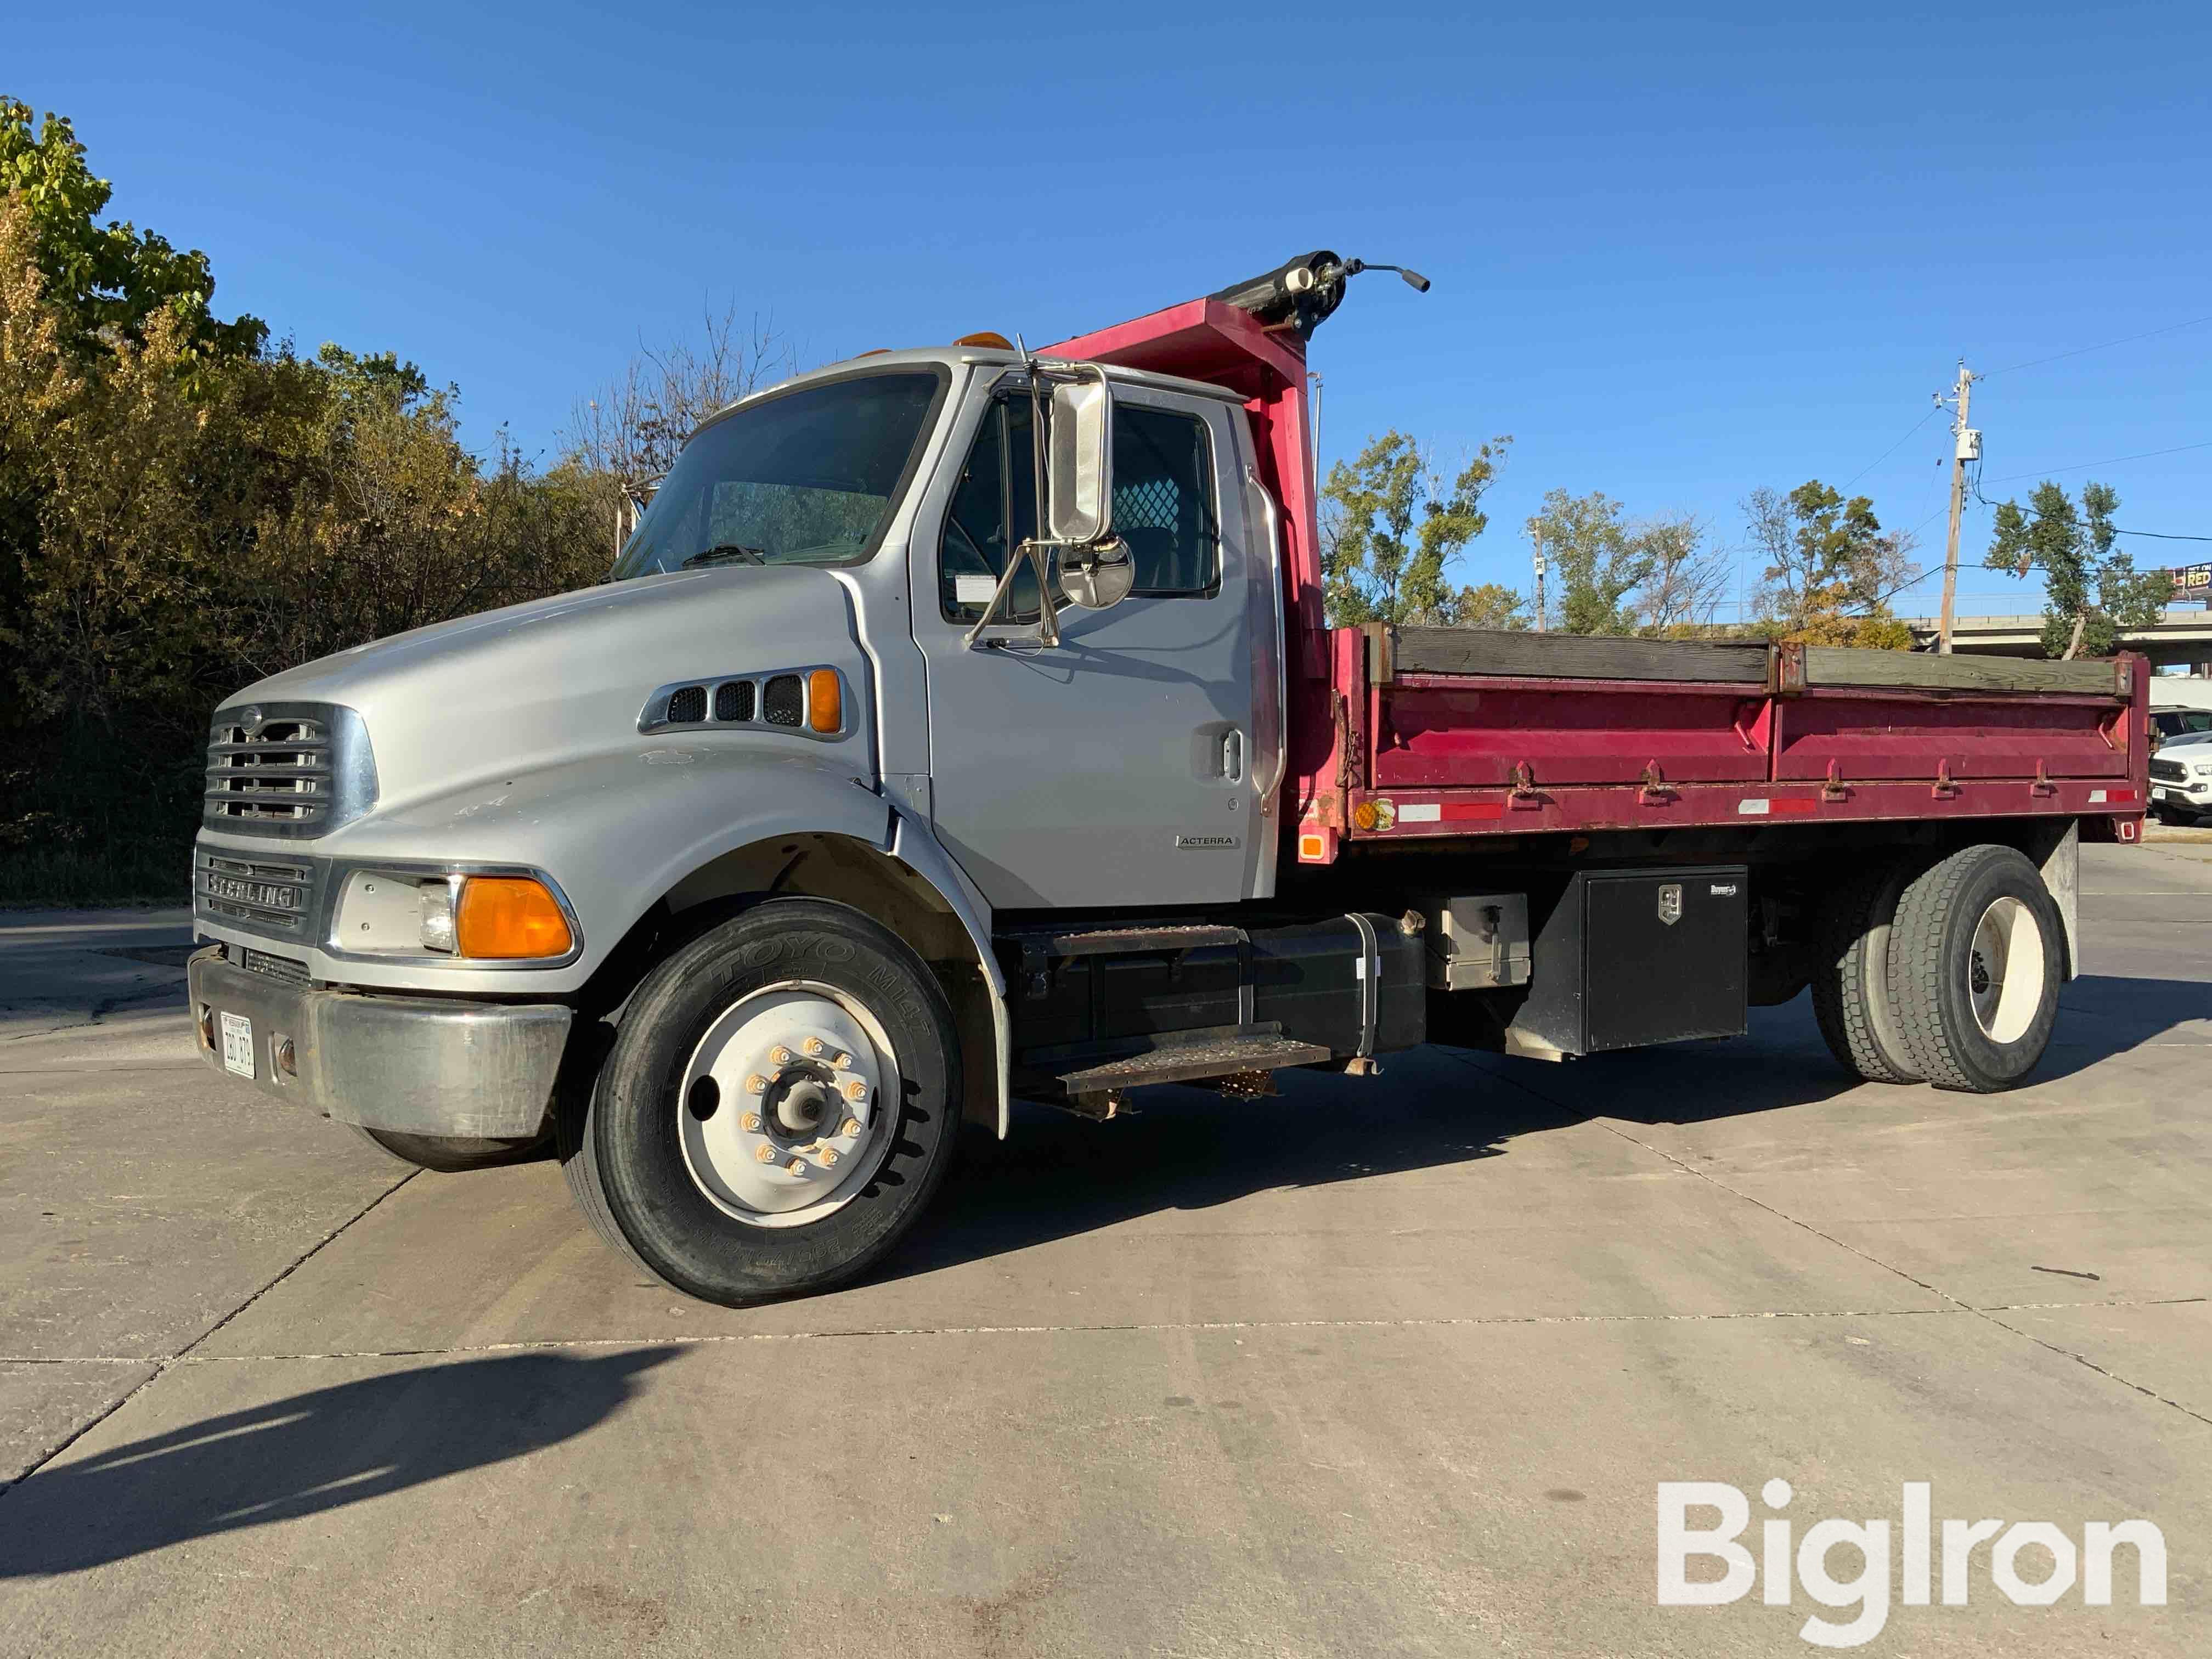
[[962, 723]]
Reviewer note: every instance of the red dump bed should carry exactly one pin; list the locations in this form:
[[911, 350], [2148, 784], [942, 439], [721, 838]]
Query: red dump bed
[[1452, 731], [1407, 733]]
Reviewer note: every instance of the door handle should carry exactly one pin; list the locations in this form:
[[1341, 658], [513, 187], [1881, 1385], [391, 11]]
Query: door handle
[[1232, 755]]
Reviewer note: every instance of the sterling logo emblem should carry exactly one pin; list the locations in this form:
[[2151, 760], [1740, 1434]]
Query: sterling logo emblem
[[1670, 903]]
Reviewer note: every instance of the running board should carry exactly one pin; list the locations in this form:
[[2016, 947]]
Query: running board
[[1192, 1062]]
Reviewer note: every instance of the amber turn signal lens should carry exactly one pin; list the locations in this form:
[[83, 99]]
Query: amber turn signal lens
[[1364, 817], [510, 918], [825, 701]]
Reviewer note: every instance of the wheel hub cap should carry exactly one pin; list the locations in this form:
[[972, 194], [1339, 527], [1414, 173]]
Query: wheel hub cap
[[778, 1114], [2004, 970]]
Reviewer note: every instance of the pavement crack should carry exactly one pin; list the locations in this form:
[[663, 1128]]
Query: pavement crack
[[161, 1367], [1986, 1314], [711, 1338]]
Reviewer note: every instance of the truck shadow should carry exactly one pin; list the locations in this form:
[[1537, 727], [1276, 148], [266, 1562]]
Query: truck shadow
[[306, 1454], [1192, 1149]]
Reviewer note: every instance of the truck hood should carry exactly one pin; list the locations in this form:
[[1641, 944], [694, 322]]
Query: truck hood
[[556, 679]]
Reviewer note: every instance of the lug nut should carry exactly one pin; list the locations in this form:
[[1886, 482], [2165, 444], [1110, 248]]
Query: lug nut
[[856, 1090], [829, 1154], [843, 1063], [749, 1120], [765, 1152], [816, 1046], [797, 1166], [850, 1127], [779, 1054], [756, 1085]]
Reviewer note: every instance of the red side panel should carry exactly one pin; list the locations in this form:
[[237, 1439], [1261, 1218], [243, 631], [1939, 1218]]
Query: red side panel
[[1442, 731], [1870, 736]]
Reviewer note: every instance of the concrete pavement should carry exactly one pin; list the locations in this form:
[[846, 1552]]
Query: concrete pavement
[[1388, 1366]]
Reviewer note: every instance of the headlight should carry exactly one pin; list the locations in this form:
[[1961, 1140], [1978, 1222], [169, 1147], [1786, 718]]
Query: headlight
[[2202, 768], [496, 915]]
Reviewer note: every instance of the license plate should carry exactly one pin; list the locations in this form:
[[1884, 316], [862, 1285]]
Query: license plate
[[238, 1044], [2157, 793]]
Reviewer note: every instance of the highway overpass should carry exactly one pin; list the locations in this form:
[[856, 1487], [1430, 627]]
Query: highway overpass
[[2182, 635]]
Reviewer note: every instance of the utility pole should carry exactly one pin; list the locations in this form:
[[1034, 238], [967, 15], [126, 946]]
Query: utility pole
[[1539, 532], [1966, 446]]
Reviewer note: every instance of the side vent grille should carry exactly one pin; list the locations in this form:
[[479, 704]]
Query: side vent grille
[[782, 699], [783, 702], [734, 701]]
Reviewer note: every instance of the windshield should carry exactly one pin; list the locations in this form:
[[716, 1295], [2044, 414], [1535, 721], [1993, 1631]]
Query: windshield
[[807, 477]]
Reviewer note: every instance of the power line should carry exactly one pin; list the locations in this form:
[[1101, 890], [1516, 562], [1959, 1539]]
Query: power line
[[2160, 535], [2046, 471], [1893, 449], [2037, 362]]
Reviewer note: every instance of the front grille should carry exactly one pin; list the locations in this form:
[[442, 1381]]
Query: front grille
[[297, 770], [2169, 771], [268, 895], [283, 967]]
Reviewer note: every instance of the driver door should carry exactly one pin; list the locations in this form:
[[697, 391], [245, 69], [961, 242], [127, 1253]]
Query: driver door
[[1115, 769]]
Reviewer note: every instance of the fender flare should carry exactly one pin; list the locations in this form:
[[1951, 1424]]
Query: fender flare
[[915, 845]]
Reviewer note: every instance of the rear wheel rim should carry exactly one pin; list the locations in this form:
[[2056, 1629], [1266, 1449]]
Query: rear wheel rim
[[2004, 970], [788, 1104]]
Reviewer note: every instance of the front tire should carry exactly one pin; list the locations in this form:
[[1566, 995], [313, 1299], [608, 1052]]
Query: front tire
[[777, 1108], [1976, 957]]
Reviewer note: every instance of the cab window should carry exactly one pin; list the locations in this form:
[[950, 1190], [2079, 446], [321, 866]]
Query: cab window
[[1163, 508]]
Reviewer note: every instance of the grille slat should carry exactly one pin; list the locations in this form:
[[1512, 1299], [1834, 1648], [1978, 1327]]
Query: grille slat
[[292, 771], [278, 771]]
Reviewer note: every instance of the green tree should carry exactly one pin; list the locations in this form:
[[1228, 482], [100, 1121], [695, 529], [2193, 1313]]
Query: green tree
[[1395, 523], [106, 281], [1831, 569], [2093, 592], [1597, 561]]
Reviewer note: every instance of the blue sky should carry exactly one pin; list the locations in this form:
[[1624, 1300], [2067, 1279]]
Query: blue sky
[[1677, 254]]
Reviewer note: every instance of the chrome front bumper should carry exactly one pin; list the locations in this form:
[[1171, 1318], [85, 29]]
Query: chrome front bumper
[[422, 1066]]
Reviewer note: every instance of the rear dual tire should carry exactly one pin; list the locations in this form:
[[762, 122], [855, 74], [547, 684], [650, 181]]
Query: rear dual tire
[[1946, 971], [1977, 956]]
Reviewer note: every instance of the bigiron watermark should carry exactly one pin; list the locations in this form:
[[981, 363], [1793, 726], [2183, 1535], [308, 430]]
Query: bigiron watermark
[[1936, 1560]]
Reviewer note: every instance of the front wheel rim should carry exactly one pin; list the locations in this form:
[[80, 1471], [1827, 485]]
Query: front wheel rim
[[788, 1104], [2004, 968]]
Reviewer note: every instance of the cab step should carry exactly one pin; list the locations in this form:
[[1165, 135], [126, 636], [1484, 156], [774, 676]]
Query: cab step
[[1095, 1089]]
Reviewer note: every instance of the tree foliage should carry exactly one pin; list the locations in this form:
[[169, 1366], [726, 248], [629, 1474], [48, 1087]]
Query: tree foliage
[[1396, 520], [1830, 569], [176, 522], [107, 283], [1595, 562], [2093, 592]]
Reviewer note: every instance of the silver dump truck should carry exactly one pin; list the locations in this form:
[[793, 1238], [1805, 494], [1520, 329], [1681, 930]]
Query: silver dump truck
[[864, 798]]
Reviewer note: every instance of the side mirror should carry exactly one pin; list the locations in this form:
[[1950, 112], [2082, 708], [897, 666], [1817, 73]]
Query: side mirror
[[1097, 578], [1080, 467]]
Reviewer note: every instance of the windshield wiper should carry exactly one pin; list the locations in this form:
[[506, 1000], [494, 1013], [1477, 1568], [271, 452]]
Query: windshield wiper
[[725, 553]]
